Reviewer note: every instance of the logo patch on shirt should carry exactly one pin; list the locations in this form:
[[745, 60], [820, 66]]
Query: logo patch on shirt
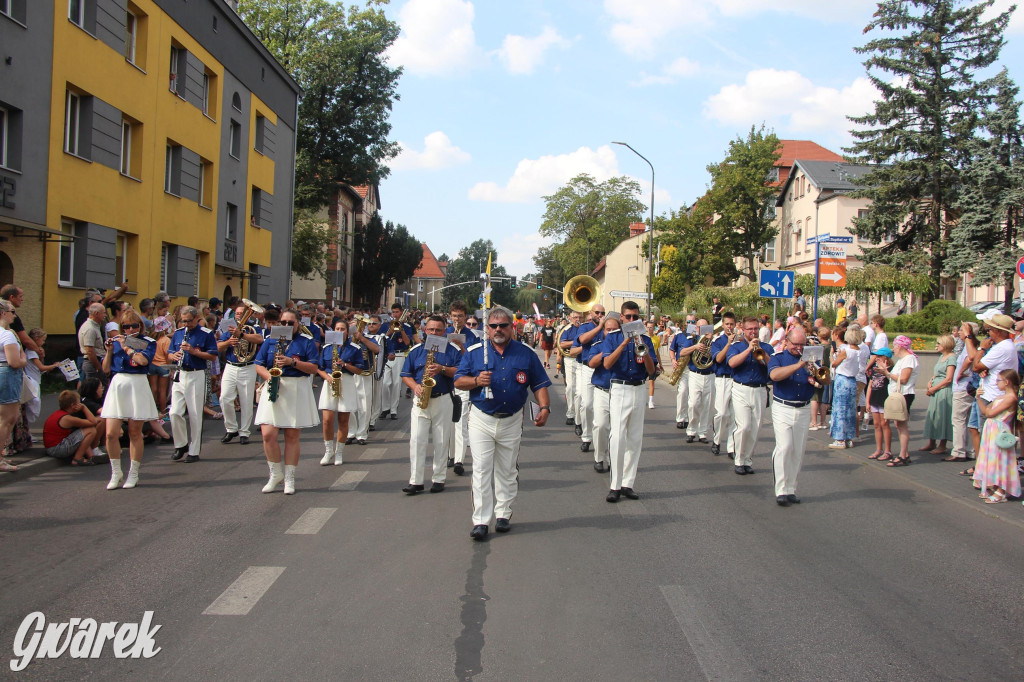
[[521, 377], [639, 360]]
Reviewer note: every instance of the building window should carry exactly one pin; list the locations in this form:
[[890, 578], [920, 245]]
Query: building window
[[773, 175], [72, 123], [235, 143], [257, 204], [172, 170], [177, 68], [76, 12], [121, 258], [236, 102], [163, 268], [231, 223], [68, 246], [797, 237], [126, 148], [131, 29], [769, 252], [261, 133], [205, 183]]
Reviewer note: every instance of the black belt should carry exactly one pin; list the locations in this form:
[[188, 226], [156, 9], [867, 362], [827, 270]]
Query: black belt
[[791, 403], [629, 382], [192, 369], [601, 388], [240, 364], [751, 385], [438, 395], [502, 415], [704, 372], [723, 376]]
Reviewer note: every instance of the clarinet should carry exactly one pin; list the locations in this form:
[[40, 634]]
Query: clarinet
[[181, 360]]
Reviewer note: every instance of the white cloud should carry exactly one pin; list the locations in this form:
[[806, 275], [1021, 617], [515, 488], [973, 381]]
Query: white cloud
[[790, 101], [521, 55], [438, 152], [437, 37], [1016, 21], [516, 252], [534, 178], [679, 68]]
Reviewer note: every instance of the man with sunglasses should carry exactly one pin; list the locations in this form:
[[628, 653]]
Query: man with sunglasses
[[238, 381], [627, 393], [570, 368], [191, 348], [793, 387], [496, 423], [583, 348]]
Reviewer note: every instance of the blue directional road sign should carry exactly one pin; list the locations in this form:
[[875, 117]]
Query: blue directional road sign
[[776, 284]]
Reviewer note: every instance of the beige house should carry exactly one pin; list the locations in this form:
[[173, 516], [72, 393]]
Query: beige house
[[624, 269]]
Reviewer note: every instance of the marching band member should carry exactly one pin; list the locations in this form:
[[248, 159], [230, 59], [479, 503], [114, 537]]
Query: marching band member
[[793, 387], [375, 394], [723, 420], [128, 397], [749, 382], [436, 420], [238, 381], [676, 345], [701, 393], [295, 407], [629, 375], [601, 380], [191, 348], [460, 325], [398, 344], [338, 408], [569, 368], [496, 423], [368, 349], [583, 346]]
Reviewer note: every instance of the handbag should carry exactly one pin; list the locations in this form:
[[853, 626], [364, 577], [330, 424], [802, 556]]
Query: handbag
[[29, 389], [895, 406], [1005, 440], [456, 407]]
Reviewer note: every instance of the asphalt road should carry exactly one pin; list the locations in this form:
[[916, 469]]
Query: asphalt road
[[878, 575]]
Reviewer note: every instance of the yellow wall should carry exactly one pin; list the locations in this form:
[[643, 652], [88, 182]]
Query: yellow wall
[[94, 193]]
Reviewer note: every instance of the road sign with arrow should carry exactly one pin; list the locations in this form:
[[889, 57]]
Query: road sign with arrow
[[775, 284]]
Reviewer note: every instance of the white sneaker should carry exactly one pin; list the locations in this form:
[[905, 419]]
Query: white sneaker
[[838, 445], [98, 452], [276, 476]]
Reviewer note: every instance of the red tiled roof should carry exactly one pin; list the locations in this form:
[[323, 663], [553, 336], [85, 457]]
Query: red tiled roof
[[428, 266], [800, 149]]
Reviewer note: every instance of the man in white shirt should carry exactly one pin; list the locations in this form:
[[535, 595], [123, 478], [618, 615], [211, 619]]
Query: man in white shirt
[[881, 340], [1002, 355], [869, 331]]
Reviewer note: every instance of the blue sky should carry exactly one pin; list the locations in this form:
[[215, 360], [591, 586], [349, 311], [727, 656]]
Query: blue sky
[[503, 102]]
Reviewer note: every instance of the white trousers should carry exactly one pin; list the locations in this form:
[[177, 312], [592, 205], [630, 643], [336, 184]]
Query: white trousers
[[360, 425], [747, 409], [375, 402], [392, 384], [682, 392], [569, 366], [701, 398], [628, 406], [586, 403], [460, 437], [962, 404], [433, 423], [791, 429], [188, 394], [723, 421], [238, 382], [495, 446], [602, 425]]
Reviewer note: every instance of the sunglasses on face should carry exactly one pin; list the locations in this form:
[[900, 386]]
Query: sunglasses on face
[[133, 325], [471, 324], [498, 325], [631, 317]]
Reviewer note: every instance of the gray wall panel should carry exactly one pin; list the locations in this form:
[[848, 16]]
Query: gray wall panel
[[100, 250], [264, 284], [184, 271], [194, 71], [106, 134], [111, 23], [267, 211], [281, 239], [270, 140], [231, 180], [190, 170]]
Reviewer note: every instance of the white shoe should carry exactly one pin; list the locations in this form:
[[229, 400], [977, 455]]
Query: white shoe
[[329, 448], [289, 479], [116, 476], [133, 476], [276, 476], [339, 450], [838, 445], [98, 452]]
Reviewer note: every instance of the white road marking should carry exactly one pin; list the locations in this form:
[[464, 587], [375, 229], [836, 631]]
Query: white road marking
[[243, 594], [311, 521], [712, 647], [349, 480], [373, 453]]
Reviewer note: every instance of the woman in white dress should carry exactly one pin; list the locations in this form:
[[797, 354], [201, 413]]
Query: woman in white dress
[[336, 409]]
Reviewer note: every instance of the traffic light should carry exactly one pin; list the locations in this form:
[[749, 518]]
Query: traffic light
[[540, 282], [512, 282]]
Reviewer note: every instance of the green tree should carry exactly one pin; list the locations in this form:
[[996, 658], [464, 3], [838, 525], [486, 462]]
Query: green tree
[[383, 253], [985, 240], [926, 66], [695, 252], [589, 219], [311, 238], [336, 54], [467, 266], [742, 198]]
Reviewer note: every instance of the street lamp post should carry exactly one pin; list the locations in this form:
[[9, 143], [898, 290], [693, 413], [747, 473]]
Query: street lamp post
[[650, 231]]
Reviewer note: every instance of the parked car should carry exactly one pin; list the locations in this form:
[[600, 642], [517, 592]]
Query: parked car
[[982, 306]]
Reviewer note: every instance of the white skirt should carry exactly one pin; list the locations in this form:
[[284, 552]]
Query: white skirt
[[129, 397], [349, 400], [295, 407]]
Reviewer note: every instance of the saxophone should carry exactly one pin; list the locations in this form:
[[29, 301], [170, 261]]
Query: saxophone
[[427, 385], [677, 373], [274, 384], [336, 373]]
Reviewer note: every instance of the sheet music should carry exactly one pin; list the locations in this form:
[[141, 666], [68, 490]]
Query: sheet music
[[691, 329], [334, 338], [226, 325], [438, 344], [706, 329], [813, 354], [69, 370], [457, 338], [281, 332], [534, 411], [634, 328], [135, 343]]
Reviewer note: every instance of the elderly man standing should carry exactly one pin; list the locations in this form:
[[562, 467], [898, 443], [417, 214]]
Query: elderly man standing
[[191, 348], [91, 342], [14, 295], [507, 369]]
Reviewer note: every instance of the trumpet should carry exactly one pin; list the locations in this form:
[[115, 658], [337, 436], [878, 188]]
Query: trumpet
[[760, 355], [427, 385], [639, 347], [821, 374], [336, 373], [396, 325]]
